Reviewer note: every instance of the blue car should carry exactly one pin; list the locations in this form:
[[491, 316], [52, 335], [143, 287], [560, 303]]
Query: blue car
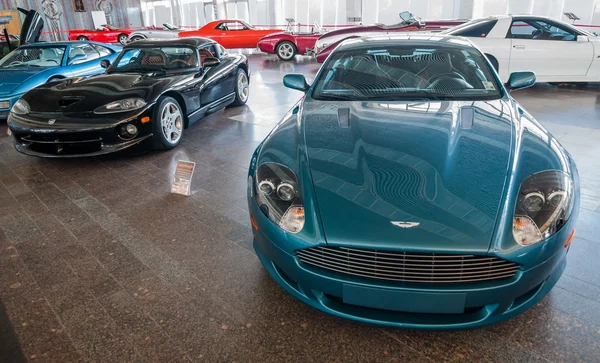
[[408, 188], [34, 64]]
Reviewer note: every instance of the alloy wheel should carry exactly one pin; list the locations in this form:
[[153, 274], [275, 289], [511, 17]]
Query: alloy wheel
[[243, 89], [171, 122], [286, 51]]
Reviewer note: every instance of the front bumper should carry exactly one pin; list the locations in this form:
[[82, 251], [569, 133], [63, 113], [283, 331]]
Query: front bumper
[[83, 139], [405, 305]]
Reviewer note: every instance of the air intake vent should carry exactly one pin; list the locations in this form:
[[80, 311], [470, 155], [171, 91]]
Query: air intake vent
[[425, 268]]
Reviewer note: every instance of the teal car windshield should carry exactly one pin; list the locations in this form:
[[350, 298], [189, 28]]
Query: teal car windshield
[[407, 72], [34, 57]]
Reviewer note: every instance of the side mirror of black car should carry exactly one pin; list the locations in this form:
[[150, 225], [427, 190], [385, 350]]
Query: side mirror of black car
[[295, 81], [105, 63], [519, 80], [210, 62]]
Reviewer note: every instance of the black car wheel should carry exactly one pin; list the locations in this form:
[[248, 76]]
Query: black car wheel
[[242, 88], [122, 38], [286, 51], [168, 123], [135, 38], [82, 38]]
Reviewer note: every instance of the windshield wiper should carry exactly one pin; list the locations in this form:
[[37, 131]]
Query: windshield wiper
[[417, 95], [338, 97]]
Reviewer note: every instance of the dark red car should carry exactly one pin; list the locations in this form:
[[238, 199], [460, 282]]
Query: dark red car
[[107, 34], [288, 43], [328, 41]]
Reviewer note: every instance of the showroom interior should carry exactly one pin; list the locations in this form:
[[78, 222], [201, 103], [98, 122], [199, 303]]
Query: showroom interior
[[299, 180]]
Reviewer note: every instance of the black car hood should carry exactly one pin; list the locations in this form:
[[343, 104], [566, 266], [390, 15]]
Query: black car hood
[[85, 94]]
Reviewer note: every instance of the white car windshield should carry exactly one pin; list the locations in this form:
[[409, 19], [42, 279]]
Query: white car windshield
[[34, 57], [407, 72]]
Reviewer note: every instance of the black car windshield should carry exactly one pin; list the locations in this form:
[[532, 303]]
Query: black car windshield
[[148, 59], [407, 72], [34, 57]]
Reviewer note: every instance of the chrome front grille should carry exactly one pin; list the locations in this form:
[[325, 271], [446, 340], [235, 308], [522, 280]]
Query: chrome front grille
[[427, 268]]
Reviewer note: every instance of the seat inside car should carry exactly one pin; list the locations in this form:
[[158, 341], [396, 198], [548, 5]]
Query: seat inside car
[[154, 58], [48, 57]]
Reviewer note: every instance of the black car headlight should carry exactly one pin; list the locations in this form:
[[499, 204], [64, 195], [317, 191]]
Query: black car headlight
[[128, 104], [21, 107], [278, 195], [544, 204]]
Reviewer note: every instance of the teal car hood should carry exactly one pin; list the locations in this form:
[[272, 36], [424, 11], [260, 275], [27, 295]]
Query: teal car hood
[[12, 79], [420, 176]]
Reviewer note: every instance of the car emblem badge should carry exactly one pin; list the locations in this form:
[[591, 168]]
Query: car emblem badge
[[51, 121], [405, 224]]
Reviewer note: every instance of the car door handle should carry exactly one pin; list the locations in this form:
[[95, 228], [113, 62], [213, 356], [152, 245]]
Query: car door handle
[[519, 46]]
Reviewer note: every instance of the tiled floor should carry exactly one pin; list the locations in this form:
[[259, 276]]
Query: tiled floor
[[99, 262]]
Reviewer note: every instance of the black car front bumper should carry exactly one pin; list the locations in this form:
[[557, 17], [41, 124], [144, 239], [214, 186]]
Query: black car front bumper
[[36, 136]]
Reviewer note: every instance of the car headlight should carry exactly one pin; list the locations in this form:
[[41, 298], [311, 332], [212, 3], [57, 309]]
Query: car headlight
[[544, 205], [128, 104], [21, 107], [278, 196]]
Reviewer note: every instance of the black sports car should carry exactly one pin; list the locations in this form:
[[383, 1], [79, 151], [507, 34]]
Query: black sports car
[[153, 91]]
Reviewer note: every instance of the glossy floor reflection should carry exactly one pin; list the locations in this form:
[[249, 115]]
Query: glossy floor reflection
[[99, 262]]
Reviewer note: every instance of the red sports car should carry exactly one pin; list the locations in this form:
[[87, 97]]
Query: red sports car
[[107, 34], [230, 33], [328, 41], [287, 44]]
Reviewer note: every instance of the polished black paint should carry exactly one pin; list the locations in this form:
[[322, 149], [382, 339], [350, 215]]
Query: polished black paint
[[67, 106]]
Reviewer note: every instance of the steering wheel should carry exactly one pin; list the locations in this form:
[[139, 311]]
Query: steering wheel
[[15, 63], [447, 75], [52, 60], [537, 34], [179, 61]]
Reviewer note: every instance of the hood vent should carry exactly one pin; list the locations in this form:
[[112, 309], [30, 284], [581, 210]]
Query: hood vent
[[344, 117], [69, 100]]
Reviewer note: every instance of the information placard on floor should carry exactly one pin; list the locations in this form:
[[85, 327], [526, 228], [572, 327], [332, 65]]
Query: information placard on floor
[[183, 177]]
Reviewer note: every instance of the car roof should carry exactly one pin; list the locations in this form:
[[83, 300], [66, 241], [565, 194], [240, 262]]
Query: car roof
[[188, 41], [396, 39]]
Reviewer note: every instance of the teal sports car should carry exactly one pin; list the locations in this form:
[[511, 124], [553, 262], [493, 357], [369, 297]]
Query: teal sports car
[[408, 188]]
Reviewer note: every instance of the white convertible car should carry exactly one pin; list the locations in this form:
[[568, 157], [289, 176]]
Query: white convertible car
[[553, 50]]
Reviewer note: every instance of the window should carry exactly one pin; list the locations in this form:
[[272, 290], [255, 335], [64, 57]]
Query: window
[[540, 29], [145, 59], [34, 57], [478, 30], [231, 26], [85, 53], [102, 50], [407, 72]]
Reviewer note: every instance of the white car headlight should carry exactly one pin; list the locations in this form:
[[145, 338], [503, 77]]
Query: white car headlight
[[128, 104], [278, 196], [544, 205], [21, 107]]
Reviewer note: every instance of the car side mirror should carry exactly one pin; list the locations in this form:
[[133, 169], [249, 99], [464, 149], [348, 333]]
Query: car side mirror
[[210, 62], [583, 38], [519, 80], [77, 58], [105, 63], [295, 81]]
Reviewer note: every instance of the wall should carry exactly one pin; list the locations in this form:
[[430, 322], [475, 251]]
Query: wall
[[59, 15]]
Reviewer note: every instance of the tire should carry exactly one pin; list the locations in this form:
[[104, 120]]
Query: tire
[[286, 51], [122, 38], [54, 79], [82, 38], [167, 129], [136, 38], [242, 88]]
